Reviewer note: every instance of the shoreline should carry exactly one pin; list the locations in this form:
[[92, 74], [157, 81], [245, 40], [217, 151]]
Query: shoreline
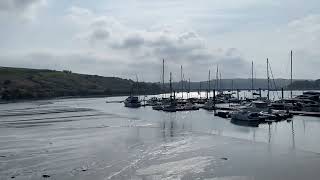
[[105, 96], [65, 97]]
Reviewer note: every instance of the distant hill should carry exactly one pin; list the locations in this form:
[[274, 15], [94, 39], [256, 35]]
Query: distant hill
[[305, 85], [21, 83], [235, 84]]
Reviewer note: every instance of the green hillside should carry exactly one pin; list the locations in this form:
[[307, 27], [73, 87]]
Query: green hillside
[[21, 83]]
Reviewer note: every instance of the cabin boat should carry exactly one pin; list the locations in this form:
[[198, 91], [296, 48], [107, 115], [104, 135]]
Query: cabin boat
[[209, 105], [132, 102], [282, 105], [246, 117], [158, 106], [190, 107], [152, 101], [170, 108], [257, 106]]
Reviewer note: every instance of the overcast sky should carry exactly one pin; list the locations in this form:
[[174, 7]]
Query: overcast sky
[[128, 37]]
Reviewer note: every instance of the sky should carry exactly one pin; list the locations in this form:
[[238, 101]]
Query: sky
[[129, 38]]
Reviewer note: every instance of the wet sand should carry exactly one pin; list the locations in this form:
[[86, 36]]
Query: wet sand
[[90, 139]]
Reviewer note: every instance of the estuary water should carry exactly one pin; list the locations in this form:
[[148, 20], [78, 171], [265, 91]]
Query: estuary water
[[91, 139]]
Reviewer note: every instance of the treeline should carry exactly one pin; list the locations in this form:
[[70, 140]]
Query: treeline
[[21, 83], [228, 84], [305, 85]]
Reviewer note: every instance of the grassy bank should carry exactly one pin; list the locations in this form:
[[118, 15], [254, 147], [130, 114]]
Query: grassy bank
[[21, 83]]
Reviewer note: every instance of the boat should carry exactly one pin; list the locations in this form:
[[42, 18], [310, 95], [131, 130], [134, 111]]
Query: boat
[[209, 105], [170, 108], [282, 105], [223, 114], [245, 118], [152, 101], [158, 106], [132, 102], [190, 107], [257, 106]]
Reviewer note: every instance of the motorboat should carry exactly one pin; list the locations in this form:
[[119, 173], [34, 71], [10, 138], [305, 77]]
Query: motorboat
[[257, 106], [190, 107], [132, 102], [158, 106], [152, 101], [247, 117], [209, 105], [223, 114], [170, 108]]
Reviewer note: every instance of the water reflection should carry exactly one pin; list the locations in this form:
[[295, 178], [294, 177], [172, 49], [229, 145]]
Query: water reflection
[[293, 140], [245, 123], [169, 127], [269, 133]]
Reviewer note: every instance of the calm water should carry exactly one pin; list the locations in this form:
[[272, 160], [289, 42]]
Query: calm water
[[91, 139]]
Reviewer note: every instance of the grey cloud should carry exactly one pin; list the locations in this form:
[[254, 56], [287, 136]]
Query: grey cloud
[[23, 8], [143, 48], [133, 41], [123, 51], [99, 34]]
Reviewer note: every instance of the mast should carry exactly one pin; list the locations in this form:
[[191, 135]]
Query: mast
[[232, 85], [200, 90], [291, 75], [252, 78], [221, 82], [189, 88], [170, 86], [163, 76], [268, 95], [181, 82], [209, 89], [137, 86], [217, 78]]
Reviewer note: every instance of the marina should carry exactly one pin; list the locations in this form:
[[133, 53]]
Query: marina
[[256, 111], [159, 90]]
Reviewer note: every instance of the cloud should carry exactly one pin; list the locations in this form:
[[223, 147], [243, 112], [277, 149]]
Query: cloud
[[78, 61], [304, 32], [25, 9], [110, 47]]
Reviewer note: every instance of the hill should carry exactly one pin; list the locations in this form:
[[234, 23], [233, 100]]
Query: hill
[[235, 84], [22, 83], [305, 85]]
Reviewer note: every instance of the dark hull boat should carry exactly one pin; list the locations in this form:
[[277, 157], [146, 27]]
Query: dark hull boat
[[132, 102], [170, 108]]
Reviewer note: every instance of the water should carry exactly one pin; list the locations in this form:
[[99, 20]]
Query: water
[[91, 139]]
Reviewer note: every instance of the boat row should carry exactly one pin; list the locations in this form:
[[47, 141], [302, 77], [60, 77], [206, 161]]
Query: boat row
[[250, 111]]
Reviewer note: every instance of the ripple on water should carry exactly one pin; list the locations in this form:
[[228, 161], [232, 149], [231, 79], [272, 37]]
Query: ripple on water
[[177, 169]]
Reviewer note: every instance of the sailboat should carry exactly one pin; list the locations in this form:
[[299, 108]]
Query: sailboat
[[210, 104], [172, 106], [159, 105]]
